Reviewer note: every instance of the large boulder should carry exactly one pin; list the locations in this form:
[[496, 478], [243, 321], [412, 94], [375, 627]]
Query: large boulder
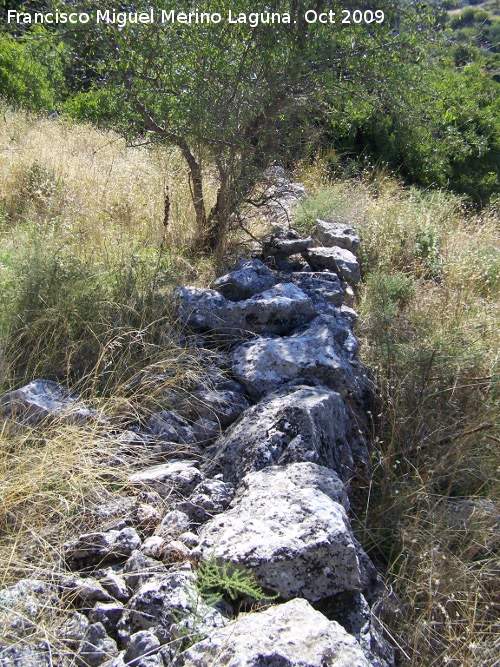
[[248, 277], [336, 259], [294, 424], [288, 635], [337, 234], [277, 310], [45, 400], [317, 350], [289, 526]]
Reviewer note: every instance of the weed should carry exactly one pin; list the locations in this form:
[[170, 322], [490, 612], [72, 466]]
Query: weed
[[216, 581]]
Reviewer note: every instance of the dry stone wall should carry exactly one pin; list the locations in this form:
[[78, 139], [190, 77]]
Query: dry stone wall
[[281, 461]]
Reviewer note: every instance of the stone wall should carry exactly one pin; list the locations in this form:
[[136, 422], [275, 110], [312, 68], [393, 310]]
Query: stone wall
[[281, 461]]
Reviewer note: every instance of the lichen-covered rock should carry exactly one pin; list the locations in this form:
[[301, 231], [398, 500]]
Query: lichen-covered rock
[[294, 424], [94, 548], [223, 407], [169, 607], [83, 590], [25, 656], [289, 525], [337, 234], [171, 427], [340, 260], [248, 277], [107, 613], [288, 635], [322, 287], [95, 648], [141, 643], [277, 310], [210, 497], [264, 364], [182, 476], [21, 604], [43, 399]]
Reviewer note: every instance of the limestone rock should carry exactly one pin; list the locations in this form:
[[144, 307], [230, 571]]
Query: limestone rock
[[264, 364], [288, 635], [337, 234], [289, 525], [169, 606], [140, 644], [276, 310], [171, 427], [248, 277], [94, 548], [96, 647], [180, 475], [322, 287], [293, 424], [44, 399], [340, 260], [20, 605], [210, 497], [107, 613], [24, 656], [223, 407]]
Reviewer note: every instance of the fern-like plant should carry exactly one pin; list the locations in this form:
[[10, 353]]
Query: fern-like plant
[[217, 581]]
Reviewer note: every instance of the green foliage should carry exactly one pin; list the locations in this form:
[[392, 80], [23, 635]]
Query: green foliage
[[25, 80], [66, 316], [217, 581]]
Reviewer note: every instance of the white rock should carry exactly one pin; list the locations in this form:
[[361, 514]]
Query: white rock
[[248, 277], [288, 635], [293, 424], [44, 399], [336, 259], [181, 475], [276, 310], [264, 364], [289, 525], [337, 234]]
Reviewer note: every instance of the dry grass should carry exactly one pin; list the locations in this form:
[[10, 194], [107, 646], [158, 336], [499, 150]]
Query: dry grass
[[86, 273], [429, 328]]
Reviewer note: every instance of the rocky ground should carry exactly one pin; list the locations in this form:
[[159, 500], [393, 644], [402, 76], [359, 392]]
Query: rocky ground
[[277, 459]]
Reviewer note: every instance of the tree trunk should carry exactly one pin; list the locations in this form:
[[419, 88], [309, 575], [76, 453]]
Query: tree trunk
[[197, 185]]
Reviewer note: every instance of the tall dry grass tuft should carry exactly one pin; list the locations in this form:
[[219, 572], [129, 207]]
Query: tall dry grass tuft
[[429, 327], [86, 272]]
